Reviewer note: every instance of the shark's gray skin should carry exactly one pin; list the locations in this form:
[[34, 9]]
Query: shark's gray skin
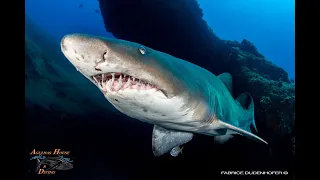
[[178, 97]]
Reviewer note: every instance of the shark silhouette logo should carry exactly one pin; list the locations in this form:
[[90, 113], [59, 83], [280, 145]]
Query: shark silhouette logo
[[50, 164]]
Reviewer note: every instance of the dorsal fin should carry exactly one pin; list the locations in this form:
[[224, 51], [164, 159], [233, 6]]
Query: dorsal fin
[[246, 101], [226, 78]]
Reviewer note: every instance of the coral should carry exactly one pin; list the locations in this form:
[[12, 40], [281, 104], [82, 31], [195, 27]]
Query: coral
[[177, 28], [249, 47]]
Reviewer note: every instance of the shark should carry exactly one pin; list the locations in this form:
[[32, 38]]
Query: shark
[[177, 97]]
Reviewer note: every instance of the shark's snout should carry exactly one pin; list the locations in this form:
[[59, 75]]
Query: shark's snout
[[70, 40], [63, 46], [84, 52]]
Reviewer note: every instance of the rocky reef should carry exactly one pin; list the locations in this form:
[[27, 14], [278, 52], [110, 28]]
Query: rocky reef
[[178, 28]]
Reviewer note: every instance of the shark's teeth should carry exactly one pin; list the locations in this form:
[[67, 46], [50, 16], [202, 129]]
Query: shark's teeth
[[127, 84], [103, 86], [112, 74], [95, 79], [100, 85], [120, 82], [108, 85]]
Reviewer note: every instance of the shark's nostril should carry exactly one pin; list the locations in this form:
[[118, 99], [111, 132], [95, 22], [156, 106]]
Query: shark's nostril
[[97, 69], [104, 56]]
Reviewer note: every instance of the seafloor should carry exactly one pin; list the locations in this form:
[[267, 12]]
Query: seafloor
[[64, 110]]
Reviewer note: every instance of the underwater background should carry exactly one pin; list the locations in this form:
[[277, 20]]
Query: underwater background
[[253, 40]]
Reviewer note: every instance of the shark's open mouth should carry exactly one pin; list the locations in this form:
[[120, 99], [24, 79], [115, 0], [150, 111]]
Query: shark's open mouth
[[114, 82]]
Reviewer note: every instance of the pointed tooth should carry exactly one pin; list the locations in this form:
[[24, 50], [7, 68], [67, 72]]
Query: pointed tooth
[[112, 74], [105, 85], [95, 79], [99, 84], [109, 85], [127, 84], [120, 83]]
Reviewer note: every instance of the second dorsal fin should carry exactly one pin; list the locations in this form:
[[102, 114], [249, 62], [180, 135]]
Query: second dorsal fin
[[226, 78]]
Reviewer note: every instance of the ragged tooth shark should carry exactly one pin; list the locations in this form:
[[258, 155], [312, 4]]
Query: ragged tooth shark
[[179, 98]]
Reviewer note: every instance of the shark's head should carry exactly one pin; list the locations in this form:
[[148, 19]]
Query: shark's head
[[139, 81]]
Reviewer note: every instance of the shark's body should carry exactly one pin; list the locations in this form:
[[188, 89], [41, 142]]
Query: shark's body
[[178, 97]]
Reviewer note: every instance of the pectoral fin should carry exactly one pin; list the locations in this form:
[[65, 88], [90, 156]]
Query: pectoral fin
[[164, 140]]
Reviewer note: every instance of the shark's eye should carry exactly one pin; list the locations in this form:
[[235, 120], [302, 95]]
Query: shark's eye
[[142, 50]]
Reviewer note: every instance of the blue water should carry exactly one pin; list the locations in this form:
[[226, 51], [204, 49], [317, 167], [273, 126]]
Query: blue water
[[269, 24]]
